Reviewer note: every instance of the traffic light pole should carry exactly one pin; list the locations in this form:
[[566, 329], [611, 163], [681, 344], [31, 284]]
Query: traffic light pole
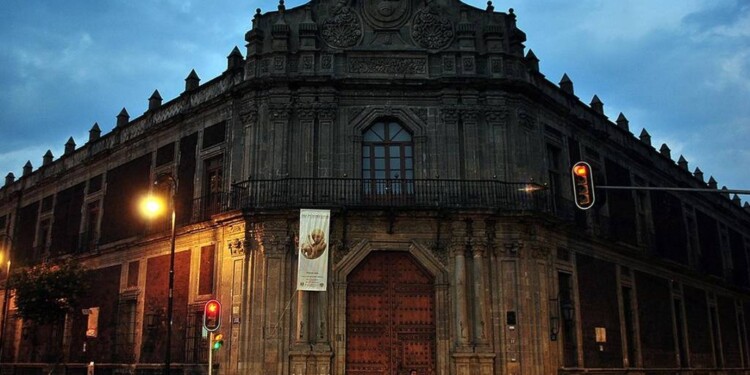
[[210, 352], [699, 190]]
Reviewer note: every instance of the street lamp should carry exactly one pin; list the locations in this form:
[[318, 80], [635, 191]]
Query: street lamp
[[151, 208], [6, 295]]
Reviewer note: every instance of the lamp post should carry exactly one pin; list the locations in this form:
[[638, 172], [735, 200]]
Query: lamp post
[[152, 208], [6, 295]]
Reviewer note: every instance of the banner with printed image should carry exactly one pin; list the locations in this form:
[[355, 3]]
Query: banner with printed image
[[312, 270]]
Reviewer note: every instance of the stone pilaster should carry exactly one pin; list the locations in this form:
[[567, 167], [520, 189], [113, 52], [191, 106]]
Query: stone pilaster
[[481, 334], [461, 316], [301, 337]]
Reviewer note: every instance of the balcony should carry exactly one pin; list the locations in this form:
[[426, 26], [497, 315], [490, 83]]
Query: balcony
[[427, 194]]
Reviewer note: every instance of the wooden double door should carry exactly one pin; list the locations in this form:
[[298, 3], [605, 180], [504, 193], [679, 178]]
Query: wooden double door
[[390, 316]]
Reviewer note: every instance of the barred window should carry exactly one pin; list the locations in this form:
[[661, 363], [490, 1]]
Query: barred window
[[196, 343], [125, 330]]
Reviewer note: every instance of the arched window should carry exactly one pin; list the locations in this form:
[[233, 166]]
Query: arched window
[[387, 155]]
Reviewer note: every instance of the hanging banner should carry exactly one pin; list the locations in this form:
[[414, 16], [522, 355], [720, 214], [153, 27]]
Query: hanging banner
[[312, 272]]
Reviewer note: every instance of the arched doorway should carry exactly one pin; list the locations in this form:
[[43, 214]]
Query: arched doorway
[[390, 316]]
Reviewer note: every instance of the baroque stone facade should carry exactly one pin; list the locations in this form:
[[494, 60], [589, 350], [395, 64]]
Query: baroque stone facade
[[444, 157]]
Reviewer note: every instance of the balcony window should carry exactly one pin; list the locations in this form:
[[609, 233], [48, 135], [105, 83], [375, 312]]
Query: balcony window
[[387, 159]]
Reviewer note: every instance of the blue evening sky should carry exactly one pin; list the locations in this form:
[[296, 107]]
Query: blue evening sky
[[679, 68]]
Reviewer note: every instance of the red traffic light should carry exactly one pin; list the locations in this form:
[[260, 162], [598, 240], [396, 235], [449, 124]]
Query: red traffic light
[[212, 315], [583, 185]]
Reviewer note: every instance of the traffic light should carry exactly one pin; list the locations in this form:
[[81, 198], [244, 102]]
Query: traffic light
[[583, 185], [212, 315], [218, 341]]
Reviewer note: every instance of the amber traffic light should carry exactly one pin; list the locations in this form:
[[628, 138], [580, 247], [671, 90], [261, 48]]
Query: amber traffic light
[[218, 342], [583, 185], [212, 315]]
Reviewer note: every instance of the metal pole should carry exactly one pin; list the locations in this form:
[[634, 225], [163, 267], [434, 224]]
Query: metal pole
[[170, 300], [5, 309], [210, 352], [698, 190], [170, 297]]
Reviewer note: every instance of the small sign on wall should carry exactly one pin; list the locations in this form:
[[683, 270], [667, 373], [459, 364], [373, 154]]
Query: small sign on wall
[[92, 328]]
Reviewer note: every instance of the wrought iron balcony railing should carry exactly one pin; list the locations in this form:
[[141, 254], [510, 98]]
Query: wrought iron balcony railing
[[389, 193], [352, 193]]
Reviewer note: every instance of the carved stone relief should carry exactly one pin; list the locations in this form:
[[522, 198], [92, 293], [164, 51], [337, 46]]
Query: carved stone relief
[[386, 14], [385, 65], [278, 63], [449, 64], [495, 116], [343, 29], [496, 66], [421, 113], [326, 62], [467, 64], [431, 30], [450, 115], [237, 246]]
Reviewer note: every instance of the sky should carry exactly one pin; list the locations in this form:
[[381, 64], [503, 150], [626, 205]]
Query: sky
[[679, 68]]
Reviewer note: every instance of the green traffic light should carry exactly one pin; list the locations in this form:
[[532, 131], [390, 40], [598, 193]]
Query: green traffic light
[[218, 342]]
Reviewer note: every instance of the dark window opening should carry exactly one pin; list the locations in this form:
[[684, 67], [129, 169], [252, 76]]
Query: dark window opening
[[715, 336], [622, 210], [555, 173], [710, 247], [213, 171], [567, 307], [214, 134], [740, 274], [206, 278], [95, 184], [165, 154], [42, 241], [91, 233], [627, 307], [47, 203], [669, 226], [680, 323]]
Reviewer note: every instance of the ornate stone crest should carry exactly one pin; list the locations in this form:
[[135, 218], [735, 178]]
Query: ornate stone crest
[[343, 29], [386, 14], [431, 30]]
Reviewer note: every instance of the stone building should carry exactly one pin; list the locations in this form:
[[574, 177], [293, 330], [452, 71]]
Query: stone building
[[443, 155]]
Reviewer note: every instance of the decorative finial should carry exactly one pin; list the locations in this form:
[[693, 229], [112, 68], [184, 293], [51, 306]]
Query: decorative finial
[[490, 8], [566, 84], [122, 118], [645, 137], [664, 150], [597, 105], [682, 162], [698, 174], [47, 158], [70, 146], [27, 168]]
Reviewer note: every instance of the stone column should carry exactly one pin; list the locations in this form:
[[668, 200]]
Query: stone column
[[301, 337], [479, 249], [458, 250]]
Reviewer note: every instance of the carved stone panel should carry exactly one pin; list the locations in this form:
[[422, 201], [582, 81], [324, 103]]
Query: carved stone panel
[[343, 29], [386, 14], [388, 65], [431, 30]]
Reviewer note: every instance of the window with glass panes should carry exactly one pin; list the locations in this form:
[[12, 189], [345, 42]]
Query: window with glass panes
[[387, 153]]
